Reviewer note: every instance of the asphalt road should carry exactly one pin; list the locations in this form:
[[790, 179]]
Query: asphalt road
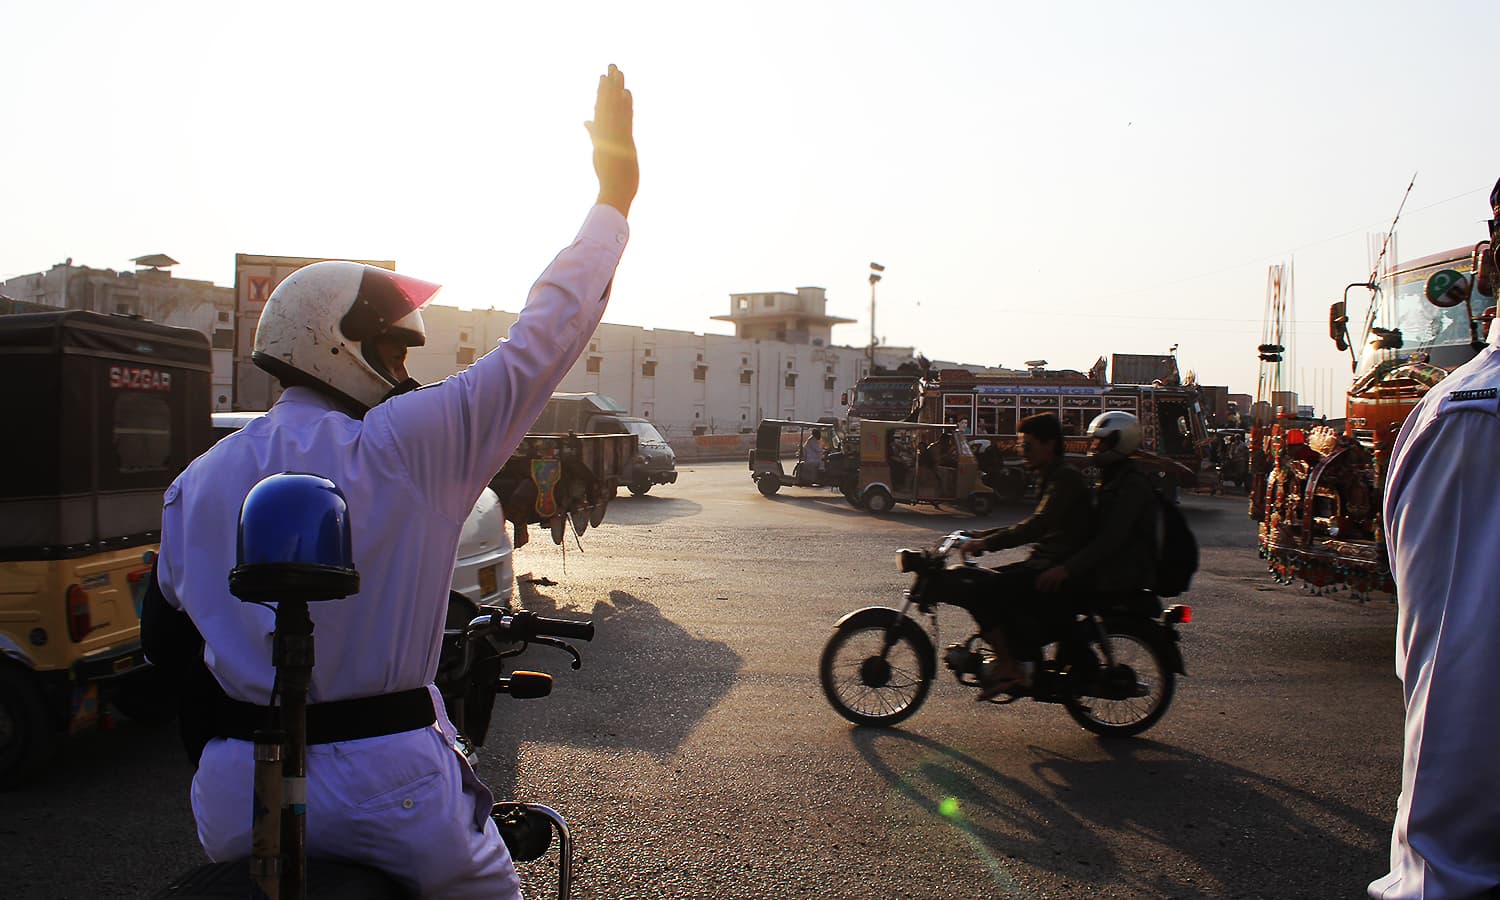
[[695, 756]]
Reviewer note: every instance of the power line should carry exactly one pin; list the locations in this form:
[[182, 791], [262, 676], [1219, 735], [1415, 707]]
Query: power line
[[1260, 260]]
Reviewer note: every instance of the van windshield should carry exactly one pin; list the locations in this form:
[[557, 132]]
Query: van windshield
[[645, 431]]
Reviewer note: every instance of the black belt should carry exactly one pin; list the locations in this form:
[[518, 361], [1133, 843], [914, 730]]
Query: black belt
[[336, 720]]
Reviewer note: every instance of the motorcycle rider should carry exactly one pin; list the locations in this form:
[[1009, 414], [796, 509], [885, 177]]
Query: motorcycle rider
[[1120, 555], [384, 786], [1012, 618]]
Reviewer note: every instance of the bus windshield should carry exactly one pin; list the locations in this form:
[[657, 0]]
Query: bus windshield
[[884, 400]]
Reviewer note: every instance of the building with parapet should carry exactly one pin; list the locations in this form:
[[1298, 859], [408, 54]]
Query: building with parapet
[[150, 292], [800, 318]]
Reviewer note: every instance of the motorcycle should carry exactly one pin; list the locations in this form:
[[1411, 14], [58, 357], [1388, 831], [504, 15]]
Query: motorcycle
[[1113, 668]]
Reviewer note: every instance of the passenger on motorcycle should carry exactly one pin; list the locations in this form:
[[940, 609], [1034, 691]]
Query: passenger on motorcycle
[[1120, 555], [1012, 616], [385, 788]]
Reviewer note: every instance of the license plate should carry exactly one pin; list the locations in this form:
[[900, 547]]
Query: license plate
[[487, 584]]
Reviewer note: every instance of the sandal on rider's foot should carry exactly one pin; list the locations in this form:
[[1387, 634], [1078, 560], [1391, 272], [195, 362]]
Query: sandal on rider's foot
[[991, 690]]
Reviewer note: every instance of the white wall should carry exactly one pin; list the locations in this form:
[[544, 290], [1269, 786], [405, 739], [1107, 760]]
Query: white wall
[[672, 398]]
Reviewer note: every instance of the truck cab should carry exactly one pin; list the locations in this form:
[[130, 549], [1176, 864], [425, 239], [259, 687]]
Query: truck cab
[[594, 413]]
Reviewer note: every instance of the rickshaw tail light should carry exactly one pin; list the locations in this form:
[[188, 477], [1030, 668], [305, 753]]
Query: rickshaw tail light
[[1180, 613], [80, 623]]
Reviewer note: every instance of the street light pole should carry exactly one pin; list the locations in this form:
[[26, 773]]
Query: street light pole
[[875, 270]]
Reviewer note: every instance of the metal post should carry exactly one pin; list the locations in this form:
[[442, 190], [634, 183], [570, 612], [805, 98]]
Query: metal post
[[292, 655], [875, 270], [265, 831]]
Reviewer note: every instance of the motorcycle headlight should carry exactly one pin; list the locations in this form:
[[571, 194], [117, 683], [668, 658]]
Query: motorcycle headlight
[[908, 560]]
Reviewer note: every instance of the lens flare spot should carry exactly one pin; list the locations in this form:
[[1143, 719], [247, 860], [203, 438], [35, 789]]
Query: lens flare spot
[[949, 807]]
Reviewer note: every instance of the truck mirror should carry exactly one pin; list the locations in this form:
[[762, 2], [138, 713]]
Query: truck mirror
[[1448, 288], [1338, 326], [844, 399]]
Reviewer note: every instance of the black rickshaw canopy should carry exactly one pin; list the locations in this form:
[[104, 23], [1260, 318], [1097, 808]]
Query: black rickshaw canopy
[[104, 412]]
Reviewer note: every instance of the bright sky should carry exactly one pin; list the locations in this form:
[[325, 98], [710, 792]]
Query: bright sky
[[1041, 180]]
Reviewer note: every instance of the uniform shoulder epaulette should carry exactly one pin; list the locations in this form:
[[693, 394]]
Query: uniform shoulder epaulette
[[1472, 394], [1484, 399]]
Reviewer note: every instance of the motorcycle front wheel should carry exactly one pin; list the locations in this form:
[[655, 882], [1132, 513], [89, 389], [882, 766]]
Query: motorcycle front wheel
[[1124, 699], [871, 687]]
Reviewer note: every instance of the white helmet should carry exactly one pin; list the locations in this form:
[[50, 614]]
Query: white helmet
[[318, 325], [1120, 431]]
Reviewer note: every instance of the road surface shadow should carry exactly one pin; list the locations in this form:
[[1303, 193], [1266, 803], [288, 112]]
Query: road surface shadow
[[645, 685], [1209, 826]]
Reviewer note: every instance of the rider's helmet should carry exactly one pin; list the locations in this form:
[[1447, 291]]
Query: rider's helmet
[[319, 325], [1116, 431]]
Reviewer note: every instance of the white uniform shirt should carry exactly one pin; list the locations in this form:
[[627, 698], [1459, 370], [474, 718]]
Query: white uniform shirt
[[1442, 520], [410, 471]]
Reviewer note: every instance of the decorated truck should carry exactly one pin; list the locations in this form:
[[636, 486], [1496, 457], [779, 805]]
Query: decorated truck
[[1315, 491]]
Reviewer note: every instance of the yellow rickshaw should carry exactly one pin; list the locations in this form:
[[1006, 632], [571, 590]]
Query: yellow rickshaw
[[909, 462], [107, 410]]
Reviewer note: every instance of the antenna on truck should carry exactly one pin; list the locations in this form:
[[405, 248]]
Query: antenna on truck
[[1375, 271]]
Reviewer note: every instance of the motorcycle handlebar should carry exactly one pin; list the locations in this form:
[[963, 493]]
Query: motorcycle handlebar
[[564, 628]]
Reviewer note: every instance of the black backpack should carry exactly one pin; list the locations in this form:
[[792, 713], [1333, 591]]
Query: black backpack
[[1176, 549]]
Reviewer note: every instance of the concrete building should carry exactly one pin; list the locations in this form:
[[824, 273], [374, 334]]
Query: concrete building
[[800, 318], [686, 383], [151, 292]]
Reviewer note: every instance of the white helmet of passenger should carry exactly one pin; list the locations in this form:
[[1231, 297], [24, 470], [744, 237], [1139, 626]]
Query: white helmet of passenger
[[1118, 431], [319, 326]]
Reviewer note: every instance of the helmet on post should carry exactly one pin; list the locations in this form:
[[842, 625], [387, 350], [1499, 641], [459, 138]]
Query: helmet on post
[[319, 326], [1118, 431]]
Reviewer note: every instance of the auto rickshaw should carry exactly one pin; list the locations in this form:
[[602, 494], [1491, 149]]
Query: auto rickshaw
[[107, 411], [767, 467], [908, 462]]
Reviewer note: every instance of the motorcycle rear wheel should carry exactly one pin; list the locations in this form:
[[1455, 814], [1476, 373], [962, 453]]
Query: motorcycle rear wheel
[[1128, 698], [869, 688]]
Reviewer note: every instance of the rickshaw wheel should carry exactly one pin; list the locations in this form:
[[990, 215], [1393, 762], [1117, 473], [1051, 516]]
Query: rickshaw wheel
[[26, 736], [981, 504], [852, 496], [768, 485], [878, 500]]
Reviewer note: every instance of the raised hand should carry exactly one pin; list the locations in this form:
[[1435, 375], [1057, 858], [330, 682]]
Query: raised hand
[[612, 131]]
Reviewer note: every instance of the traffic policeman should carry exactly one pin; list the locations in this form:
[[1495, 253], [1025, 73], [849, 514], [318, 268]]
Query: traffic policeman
[[1441, 527], [386, 789]]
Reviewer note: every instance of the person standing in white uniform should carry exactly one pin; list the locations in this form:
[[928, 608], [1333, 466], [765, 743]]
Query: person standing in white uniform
[[1442, 526], [384, 786]]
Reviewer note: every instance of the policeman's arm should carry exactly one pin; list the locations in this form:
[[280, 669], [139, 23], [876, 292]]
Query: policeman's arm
[[454, 436], [168, 636]]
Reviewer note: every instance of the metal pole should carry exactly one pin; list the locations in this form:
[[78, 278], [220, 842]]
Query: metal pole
[[292, 655]]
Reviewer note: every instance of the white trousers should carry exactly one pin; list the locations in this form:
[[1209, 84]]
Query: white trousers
[[406, 804]]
